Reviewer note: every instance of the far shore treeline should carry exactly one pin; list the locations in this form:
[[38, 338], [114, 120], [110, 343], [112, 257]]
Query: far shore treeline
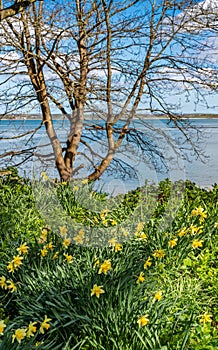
[[36, 116]]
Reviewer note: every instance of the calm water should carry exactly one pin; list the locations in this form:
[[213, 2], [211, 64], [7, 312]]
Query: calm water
[[141, 165]]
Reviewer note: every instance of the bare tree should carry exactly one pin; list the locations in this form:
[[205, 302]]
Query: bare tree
[[15, 8], [114, 60]]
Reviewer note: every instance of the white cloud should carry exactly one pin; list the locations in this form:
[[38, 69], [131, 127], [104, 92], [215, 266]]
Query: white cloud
[[209, 5]]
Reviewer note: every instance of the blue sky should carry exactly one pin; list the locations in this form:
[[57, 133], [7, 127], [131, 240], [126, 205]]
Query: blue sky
[[189, 102]]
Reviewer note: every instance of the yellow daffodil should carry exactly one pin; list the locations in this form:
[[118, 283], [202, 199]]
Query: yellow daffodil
[[143, 321], [78, 239], [55, 256], [43, 238], [105, 267], [158, 296], [112, 241], [17, 261], [125, 233], [102, 216], [197, 243], [147, 263], [97, 262], [11, 267], [11, 286], [85, 181], [44, 232], [194, 229], [2, 327], [140, 226], [97, 290], [19, 335], [172, 243], [44, 176], [3, 283], [113, 222], [66, 242], [143, 236], [23, 248], [118, 247], [81, 233], [105, 222], [31, 329], [69, 258], [50, 246], [63, 231], [75, 188], [216, 224], [103, 213], [159, 253], [141, 278], [197, 211], [44, 252], [182, 232], [38, 343], [206, 318], [203, 217], [137, 233], [44, 325]]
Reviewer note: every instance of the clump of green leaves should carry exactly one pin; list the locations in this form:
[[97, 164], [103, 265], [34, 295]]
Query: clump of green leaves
[[157, 289]]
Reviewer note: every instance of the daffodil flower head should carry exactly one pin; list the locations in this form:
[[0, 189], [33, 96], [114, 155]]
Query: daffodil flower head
[[147, 263], [140, 226], [182, 232], [44, 176], [112, 242], [173, 242], [158, 296], [2, 327], [118, 247], [44, 325], [196, 243], [66, 242], [78, 239], [159, 253], [198, 211], [97, 290], [44, 252], [68, 258], [23, 248], [11, 267], [141, 278], [11, 286], [105, 267], [17, 261], [19, 335], [206, 318], [50, 246], [143, 321], [3, 283], [31, 329], [63, 231]]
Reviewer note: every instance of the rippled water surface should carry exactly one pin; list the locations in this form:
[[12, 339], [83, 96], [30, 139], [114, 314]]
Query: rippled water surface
[[168, 143]]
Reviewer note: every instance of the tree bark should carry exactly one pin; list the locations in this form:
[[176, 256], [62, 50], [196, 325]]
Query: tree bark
[[14, 9]]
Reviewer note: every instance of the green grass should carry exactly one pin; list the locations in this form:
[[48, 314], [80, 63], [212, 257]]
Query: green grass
[[145, 223]]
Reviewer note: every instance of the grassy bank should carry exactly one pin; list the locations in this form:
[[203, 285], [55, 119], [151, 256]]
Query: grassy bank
[[154, 285]]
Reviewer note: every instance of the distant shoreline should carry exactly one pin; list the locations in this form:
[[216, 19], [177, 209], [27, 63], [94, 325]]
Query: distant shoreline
[[91, 117]]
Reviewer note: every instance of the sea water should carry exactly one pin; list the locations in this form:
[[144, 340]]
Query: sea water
[[166, 153]]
